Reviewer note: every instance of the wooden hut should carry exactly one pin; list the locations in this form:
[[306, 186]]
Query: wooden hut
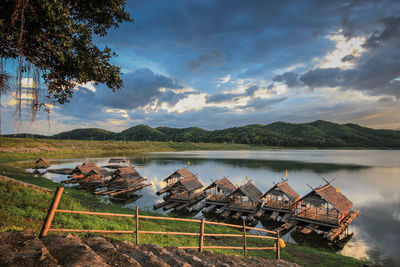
[[243, 201], [217, 195], [278, 202], [173, 178], [41, 163], [124, 181], [184, 193], [82, 170], [115, 163], [323, 206]]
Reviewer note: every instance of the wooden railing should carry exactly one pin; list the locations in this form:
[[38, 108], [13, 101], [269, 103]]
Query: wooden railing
[[201, 234]]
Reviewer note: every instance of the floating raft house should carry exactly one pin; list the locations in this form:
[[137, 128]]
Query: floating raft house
[[182, 193], [115, 163], [324, 209], [217, 195], [41, 163], [173, 178], [244, 201], [278, 202], [124, 181]]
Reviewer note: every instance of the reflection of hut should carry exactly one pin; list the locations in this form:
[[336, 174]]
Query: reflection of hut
[[173, 178], [323, 205], [278, 201], [41, 163], [217, 195]]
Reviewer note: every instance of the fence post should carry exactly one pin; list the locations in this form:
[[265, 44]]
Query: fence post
[[51, 212], [137, 225], [244, 238], [278, 247], [201, 238]]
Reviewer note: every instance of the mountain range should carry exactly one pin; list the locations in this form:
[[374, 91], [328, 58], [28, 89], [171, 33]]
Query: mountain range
[[314, 134]]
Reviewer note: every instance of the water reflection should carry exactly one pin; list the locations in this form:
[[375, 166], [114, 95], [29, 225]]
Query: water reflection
[[370, 179]]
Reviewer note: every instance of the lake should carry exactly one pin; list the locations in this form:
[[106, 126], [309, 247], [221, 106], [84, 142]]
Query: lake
[[369, 178]]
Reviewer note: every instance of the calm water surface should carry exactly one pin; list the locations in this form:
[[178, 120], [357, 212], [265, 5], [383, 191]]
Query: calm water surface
[[369, 178]]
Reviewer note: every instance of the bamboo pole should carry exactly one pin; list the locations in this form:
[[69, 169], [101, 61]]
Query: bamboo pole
[[51, 212], [244, 239], [278, 247], [137, 225], [201, 238], [169, 233], [96, 213], [169, 218], [92, 231]]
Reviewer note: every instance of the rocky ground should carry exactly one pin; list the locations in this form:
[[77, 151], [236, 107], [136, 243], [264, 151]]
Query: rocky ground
[[24, 248]]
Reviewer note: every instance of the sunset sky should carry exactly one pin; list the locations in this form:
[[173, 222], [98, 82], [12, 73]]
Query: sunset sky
[[219, 64]]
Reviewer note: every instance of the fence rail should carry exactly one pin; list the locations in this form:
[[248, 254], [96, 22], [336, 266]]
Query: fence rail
[[201, 234]]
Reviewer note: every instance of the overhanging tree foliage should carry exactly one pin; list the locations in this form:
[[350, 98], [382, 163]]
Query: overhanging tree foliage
[[52, 42]]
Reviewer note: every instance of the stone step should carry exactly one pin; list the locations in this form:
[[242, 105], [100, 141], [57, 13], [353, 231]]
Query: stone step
[[145, 258], [109, 253], [23, 248], [70, 250]]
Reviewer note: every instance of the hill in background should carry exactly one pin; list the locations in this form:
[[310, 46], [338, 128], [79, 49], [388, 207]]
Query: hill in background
[[314, 134]]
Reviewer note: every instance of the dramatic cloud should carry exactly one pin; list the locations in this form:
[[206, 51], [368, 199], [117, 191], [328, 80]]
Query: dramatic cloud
[[217, 64]]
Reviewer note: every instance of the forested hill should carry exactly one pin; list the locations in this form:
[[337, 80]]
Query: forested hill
[[315, 134]]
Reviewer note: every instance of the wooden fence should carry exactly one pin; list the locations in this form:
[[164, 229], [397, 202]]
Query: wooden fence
[[201, 234]]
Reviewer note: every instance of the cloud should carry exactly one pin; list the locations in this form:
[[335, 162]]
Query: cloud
[[219, 98], [262, 103], [213, 57], [291, 79]]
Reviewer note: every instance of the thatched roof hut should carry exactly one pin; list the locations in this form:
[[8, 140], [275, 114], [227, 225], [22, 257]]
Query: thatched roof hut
[[41, 163], [280, 197], [178, 175], [125, 177], [117, 161], [323, 204], [85, 168], [248, 190], [222, 185]]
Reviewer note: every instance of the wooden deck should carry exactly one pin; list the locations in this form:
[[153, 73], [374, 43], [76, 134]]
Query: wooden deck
[[317, 216], [217, 198], [276, 205], [245, 205]]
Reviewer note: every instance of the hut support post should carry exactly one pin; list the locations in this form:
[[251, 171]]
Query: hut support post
[[137, 225], [51, 212], [244, 239], [278, 247], [201, 238]]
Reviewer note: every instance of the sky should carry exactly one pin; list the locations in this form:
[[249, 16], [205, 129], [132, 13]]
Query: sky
[[219, 64]]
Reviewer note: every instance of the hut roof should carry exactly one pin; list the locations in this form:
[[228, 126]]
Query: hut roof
[[190, 184], [85, 168], [329, 194], [101, 172], [249, 190], [44, 160], [184, 173], [226, 186], [125, 170], [116, 161], [286, 189], [132, 176]]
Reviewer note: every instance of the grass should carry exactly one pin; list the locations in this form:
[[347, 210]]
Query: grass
[[17, 149], [23, 207]]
